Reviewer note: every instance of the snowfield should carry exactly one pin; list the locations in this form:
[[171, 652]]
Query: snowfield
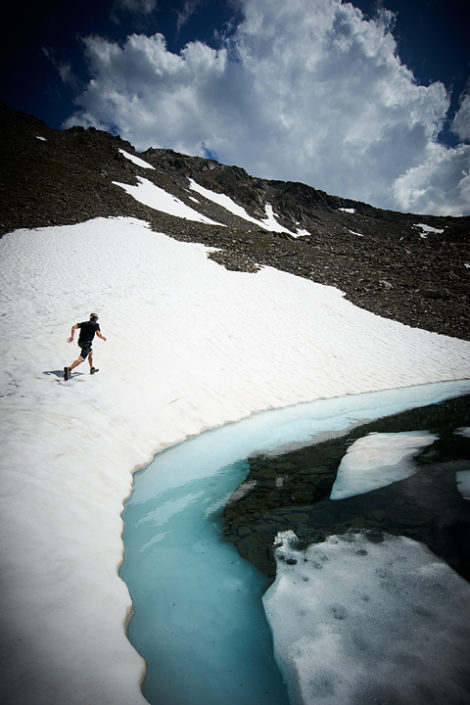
[[190, 346]]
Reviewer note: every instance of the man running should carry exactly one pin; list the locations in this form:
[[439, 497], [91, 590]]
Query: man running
[[87, 333]]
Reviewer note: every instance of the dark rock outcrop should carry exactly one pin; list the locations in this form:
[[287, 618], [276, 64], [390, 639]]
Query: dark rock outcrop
[[381, 259], [291, 490]]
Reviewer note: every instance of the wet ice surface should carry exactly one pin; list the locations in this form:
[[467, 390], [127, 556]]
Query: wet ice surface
[[199, 621], [361, 623], [377, 460]]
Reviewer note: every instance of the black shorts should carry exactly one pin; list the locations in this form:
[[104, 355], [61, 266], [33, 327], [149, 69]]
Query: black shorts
[[85, 349]]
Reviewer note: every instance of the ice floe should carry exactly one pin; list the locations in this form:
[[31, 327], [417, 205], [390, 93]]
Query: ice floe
[[378, 460], [361, 622]]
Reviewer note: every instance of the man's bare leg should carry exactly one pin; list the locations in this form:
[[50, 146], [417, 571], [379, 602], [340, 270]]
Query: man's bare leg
[[68, 370], [90, 360]]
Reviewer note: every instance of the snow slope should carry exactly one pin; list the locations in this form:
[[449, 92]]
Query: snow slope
[[269, 223], [190, 346], [136, 160], [151, 195]]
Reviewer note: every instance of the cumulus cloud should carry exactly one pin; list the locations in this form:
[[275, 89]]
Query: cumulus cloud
[[306, 92], [461, 121], [426, 188]]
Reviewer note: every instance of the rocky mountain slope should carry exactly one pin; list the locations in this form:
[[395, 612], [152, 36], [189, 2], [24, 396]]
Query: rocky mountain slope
[[413, 268]]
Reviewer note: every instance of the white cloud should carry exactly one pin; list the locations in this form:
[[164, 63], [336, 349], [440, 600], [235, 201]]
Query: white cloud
[[317, 95], [440, 184], [461, 122]]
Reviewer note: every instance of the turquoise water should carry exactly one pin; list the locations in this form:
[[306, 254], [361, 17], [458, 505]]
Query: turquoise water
[[198, 618], [199, 621]]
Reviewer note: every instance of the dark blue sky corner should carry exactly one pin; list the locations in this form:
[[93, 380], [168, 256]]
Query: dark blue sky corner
[[48, 72], [433, 42], [47, 68]]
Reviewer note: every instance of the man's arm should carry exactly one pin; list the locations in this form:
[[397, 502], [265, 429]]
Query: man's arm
[[72, 332], [98, 333]]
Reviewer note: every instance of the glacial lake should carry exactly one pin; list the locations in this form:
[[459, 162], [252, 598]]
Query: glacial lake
[[202, 517]]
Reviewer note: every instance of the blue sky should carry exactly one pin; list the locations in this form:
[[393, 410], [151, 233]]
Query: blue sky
[[368, 100]]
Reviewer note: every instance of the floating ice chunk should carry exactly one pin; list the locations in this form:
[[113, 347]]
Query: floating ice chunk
[[464, 431], [463, 483], [361, 622], [378, 460], [136, 160], [150, 195]]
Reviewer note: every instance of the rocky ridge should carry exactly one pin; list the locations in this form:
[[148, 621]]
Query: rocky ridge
[[412, 268]]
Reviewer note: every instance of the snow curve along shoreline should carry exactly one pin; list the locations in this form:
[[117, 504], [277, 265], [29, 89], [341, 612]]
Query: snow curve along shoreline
[[190, 346]]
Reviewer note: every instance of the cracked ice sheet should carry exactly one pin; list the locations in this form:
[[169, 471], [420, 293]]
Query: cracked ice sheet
[[378, 460], [361, 622]]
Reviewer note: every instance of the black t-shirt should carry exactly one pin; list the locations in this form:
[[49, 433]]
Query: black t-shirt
[[87, 331]]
